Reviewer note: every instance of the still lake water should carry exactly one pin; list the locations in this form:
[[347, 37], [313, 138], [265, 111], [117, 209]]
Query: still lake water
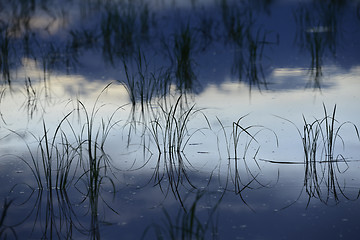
[[179, 119]]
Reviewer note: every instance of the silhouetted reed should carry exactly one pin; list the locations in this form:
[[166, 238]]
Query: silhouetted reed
[[170, 132], [97, 177], [169, 127], [322, 134], [51, 164], [31, 103], [322, 162], [239, 172]]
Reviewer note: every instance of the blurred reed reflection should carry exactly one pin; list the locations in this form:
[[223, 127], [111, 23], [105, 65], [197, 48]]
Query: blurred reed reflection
[[66, 41], [249, 40], [319, 33]]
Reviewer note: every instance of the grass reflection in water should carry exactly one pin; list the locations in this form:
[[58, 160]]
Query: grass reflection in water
[[322, 162]]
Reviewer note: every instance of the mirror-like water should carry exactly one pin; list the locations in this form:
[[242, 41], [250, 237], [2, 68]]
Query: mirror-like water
[[193, 119]]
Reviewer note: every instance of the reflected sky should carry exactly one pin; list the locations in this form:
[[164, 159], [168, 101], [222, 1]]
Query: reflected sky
[[176, 112]]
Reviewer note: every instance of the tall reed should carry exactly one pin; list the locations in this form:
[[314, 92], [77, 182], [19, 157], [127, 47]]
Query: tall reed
[[51, 164], [322, 162], [170, 132], [239, 171], [169, 127], [96, 164]]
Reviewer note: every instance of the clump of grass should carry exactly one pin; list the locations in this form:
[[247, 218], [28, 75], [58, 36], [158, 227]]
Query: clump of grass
[[314, 38], [170, 132], [96, 163], [321, 161], [169, 129], [66, 159], [241, 135], [323, 134], [51, 164], [118, 29]]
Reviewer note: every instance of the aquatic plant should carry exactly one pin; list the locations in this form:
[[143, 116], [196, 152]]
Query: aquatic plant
[[205, 29], [249, 41], [94, 160], [77, 159], [323, 134], [232, 19], [169, 128], [170, 132], [321, 159], [239, 172], [51, 164], [96, 164]]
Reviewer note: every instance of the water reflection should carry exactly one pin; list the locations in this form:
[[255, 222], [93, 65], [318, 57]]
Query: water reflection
[[190, 223], [323, 169], [5, 55], [122, 27], [319, 33], [118, 29], [249, 40], [325, 162], [5, 230], [143, 84], [171, 60], [50, 213]]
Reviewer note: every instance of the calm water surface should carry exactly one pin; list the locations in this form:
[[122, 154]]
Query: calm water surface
[[179, 119]]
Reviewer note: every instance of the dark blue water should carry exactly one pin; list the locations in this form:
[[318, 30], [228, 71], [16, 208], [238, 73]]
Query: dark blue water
[[200, 134]]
